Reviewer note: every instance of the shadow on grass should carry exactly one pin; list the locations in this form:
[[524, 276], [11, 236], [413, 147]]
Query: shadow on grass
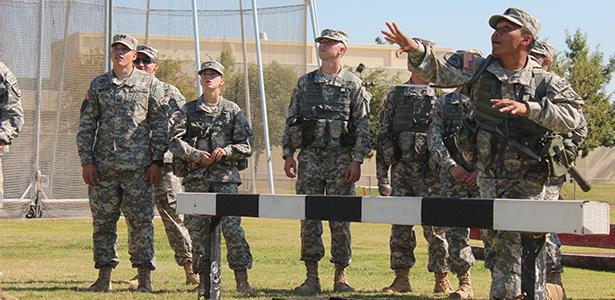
[[279, 294]]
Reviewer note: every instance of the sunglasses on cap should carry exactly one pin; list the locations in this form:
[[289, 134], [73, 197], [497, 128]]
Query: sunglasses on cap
[[146, 60]]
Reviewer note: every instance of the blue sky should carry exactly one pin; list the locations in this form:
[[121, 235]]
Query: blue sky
[[463, 24]]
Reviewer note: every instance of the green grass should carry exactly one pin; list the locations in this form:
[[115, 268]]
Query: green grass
[[52, 259]]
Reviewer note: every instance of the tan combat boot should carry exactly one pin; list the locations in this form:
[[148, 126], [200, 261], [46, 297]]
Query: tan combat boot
[[311, 285], [401, 283], [191, 277], [145, 282], [103, 283], [442, 285], [340, 282], [243, 286], [465, 287]]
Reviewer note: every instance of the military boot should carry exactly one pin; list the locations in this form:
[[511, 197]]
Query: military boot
[[243, 286], [311, 285], [145, 282], [340, 282], [465, 287], [442, 285], [191, 277], [103, 283], [401, 283], [5, 296]]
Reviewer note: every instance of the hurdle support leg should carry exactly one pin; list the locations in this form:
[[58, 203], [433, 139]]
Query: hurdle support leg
[[209, 287]]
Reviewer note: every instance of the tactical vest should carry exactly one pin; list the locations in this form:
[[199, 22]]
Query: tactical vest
[[520, 129], [412, 106], [210, 133], [452, 118], [325, 120]]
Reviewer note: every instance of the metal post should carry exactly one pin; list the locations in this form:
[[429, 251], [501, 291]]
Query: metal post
[[246, 86], [60, 93], [197, 48], [149, 6], [109, 34], [209, 288], [107, 37], [315, 27], [261, 81]]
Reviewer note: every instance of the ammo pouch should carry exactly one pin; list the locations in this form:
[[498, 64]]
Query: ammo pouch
[[319, 133], [558, 157], [412, 144]]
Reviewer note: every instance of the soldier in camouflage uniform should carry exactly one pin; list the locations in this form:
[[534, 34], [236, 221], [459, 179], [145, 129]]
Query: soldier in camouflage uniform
[[211, 141], [122, 138], [402, 147], [516, 104], [543, 53], [165, 191], [11, 121], [328, 121], [457, 180]]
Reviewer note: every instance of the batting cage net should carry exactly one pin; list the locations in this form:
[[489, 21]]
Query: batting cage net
[[56, 47]]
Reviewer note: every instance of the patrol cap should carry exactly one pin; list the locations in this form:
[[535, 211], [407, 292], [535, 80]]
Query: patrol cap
[[149, 51], [212, 64], [543, 48], [333, 34], [125, 40], [519, 17]]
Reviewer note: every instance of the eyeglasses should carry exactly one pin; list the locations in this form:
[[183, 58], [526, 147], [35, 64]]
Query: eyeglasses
[[146, 60]]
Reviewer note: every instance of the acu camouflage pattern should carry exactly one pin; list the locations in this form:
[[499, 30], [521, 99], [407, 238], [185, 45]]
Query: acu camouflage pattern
[[166, 191], [11, 114], [322, 164], [447, 116], [123, 128], [196, 129], [227, 128], [558, 111], [405, 153]]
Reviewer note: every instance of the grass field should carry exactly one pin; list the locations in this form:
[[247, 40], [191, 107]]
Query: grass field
[[52, 259]]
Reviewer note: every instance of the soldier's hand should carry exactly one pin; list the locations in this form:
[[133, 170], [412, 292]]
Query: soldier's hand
[[353, 172], [459, 173], [206, 159], [471, 180], [218, 153], [512, 107], [89, 174], [153, 174], [290, 167], [395, 36]]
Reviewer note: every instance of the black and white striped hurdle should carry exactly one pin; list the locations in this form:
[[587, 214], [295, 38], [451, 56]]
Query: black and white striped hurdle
[[576, 217]]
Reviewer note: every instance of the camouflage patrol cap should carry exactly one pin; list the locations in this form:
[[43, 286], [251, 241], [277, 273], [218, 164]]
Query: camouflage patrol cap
[[149, 51], [543, 48], [519, 17], [333, 34], [212, 64], [125, 40]]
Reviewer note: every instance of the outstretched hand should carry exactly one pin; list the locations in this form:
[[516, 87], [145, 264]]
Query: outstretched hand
[[395, 36]]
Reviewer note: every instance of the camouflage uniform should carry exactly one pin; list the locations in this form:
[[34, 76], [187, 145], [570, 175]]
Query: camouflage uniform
[[448, 113], [402, 146], [123, 129], [11, 115], [505, 171], [328, 121], [197, 128], [166, 191]]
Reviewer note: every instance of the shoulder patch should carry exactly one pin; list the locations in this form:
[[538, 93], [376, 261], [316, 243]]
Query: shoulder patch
[[561, 84], [454, 59]]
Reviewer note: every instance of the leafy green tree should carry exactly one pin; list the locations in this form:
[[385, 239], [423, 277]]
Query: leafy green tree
[[589, 76], [170, 71]]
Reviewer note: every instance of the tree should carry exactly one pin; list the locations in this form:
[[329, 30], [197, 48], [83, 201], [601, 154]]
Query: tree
[[170, 71], [379, 40], [589, 77]]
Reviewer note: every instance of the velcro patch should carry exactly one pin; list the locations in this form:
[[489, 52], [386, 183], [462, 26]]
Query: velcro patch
[[454, 59]]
